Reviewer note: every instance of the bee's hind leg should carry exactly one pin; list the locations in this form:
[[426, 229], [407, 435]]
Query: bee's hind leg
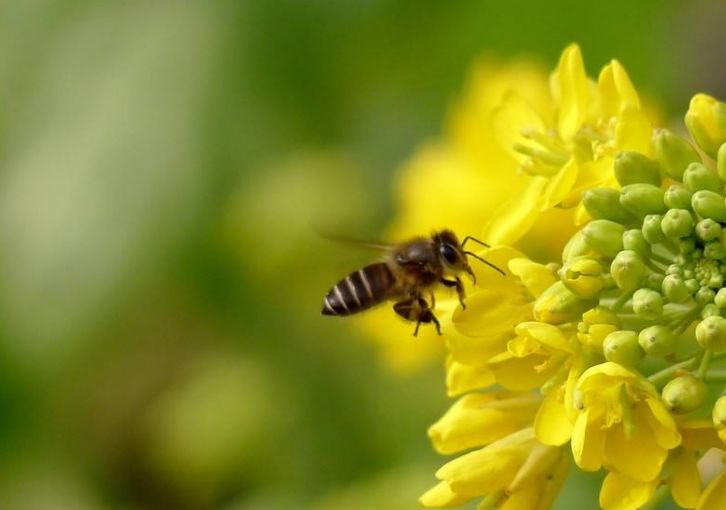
[[417, 309], [456, 282]]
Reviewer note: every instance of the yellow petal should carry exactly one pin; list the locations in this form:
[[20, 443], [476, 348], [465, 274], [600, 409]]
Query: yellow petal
[[588, 442], [535, 277], [525, 499], [441, 496], [478, 419], [573, 86], [685, 480], [520, 374], [461, 378], [633, 132], [512, 220], [551, 425], [488, 314], [619, 492], [616, 91], [662, 424], [558, 186], [513, 115], [639, 456], [714, 496], [604, 375], [699, 434], [546, 334], [486, 277]]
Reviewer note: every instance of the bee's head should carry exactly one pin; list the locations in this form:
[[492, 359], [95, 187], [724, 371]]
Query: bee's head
[[452, 254]]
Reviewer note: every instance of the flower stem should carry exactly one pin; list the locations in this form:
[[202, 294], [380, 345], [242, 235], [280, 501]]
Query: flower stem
[[660, 494], [705, 360]]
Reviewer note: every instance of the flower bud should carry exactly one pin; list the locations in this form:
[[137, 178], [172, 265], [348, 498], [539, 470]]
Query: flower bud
[[714, 250], [709, 204], [674, 289], [706, 121], [657, 341], [651, 229], [720, 299], [633, 240], [721, 162], [684, 394], [628, 270], [604, 236], [719, 415], [686, 244], [715, 281], [576, 247], [558, 304], [673, 153], [595, 334], [709, 310], [622, 347], [677, 197], [677, 223], [711, 333], [600, 315], [654, 281], [583, 276], [708, 230], [604, 204], [704, 295], [691, 283], [642, 199], [647, 304], [698, 177], [633, 167]]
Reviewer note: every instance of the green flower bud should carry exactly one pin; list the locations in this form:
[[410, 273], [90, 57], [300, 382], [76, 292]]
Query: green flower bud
[[698, 177], [654, 281], [673, 153], [634, 167], [604, 204], [706, 121], [651, 229], [708, 230], [583, 276], [657, 341], [684, 394], [677, 223], [558, 304], [642, 199], [709, 204], [709, 310], [686, 244], [633, 240], [719, 413], [714, 250], [622, 347], [704, 295], [604, 236], [692, 284], [674, 289], [647, 304], [720, 298], [721, 162], [628, 270], [677, 197], [715, 281], [576, 247], [711, 333], [600, 315], [674, 269]]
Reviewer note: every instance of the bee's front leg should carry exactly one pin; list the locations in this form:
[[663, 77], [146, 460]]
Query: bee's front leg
[[417, 309], [456, 282]]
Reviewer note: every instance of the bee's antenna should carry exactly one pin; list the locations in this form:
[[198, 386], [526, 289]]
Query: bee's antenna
[[472, 238], [485, 261]]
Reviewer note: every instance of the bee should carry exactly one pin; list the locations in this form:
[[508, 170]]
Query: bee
[[409, 270]]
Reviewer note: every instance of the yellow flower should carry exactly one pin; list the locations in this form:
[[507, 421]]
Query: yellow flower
[[706, 121]]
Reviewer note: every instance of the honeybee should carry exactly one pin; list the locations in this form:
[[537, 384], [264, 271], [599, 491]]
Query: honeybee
[[409, 270]]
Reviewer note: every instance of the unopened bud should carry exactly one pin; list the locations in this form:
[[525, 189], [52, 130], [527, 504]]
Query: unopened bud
[[558, 304], [622, 347], [706, 121], [674, 289], [709, 204], [642, 199], [708, 230], [600, 315], [634, 167], [686, 244], [604, 236], [651, 229], [576, 247], [647, 304], [583, 276], [715, 281], [697, 177], [721, 162], [628, 270], [711, 333], [604, 204], [704, 295], [691, 283], [633, 240], [677, 223], [720, 299], [677, 197], [684, 394], [654, 281], [709, 310], [657, 341], [714, 250], [719, 414], [673, 153]]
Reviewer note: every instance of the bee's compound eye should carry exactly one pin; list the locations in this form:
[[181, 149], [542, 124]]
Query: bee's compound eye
[[449, 253]]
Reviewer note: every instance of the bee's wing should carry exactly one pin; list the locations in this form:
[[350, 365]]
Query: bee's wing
[[358, 243]]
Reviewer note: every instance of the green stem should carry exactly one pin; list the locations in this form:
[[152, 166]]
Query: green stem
[[715, 376], [618, 304], [705, 360], [665, 374], [489, 501], [660, 494]]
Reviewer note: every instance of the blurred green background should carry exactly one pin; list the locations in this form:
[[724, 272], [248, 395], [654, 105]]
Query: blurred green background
[[163, 166]]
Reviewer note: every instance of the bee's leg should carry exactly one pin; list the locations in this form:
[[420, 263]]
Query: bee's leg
[[459, 288], [417, 309]]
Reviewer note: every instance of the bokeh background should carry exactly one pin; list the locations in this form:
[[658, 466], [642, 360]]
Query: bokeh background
[[165, 170]]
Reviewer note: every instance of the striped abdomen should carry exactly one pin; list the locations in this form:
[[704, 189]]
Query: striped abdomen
[[359, 290]]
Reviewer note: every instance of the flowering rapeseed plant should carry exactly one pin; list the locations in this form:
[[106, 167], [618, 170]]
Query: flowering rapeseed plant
[[606, 355]]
